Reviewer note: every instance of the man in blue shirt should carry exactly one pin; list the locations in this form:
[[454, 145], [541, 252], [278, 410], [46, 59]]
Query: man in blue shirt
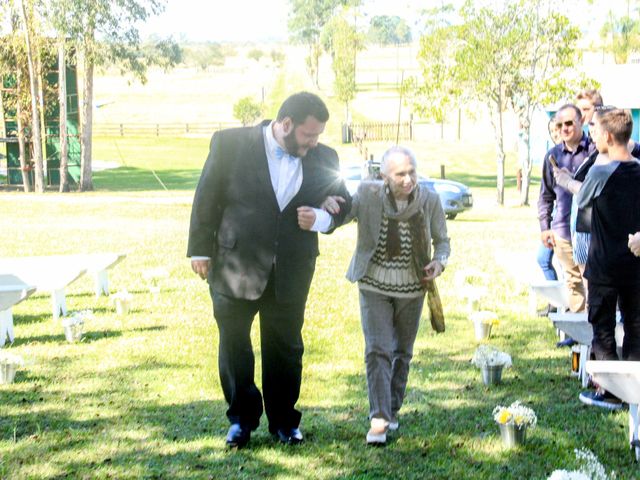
[[570, 153]]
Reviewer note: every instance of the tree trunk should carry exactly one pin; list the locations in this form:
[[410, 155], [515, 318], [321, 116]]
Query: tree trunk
[[500, 157], [36, 135], [86, 181], [62, 93], [26, 179], [526, 167]]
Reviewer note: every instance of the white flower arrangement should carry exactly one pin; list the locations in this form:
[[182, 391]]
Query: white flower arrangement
[[488, 356], [77, 318], [484, 316], [7, 358], [589, 468], [515, 414]]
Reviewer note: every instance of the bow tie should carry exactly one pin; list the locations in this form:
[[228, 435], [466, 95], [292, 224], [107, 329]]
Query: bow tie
[[279, 152]]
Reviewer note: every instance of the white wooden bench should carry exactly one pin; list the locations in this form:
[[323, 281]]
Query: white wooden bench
[[576, 326], [622, 378], [12, 292], [54, 273], [554, 292]]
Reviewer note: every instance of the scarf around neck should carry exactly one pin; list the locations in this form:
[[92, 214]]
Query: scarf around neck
[[414, 215]]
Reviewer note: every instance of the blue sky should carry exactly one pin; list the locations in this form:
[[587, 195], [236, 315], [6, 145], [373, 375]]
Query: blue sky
[[248, 20]]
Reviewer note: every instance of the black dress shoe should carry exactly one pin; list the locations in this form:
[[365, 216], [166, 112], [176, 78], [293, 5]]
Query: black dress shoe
[[290, 436], [238, 436]]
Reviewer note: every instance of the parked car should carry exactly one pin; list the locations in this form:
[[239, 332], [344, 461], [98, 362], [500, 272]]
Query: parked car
[[455, 197]]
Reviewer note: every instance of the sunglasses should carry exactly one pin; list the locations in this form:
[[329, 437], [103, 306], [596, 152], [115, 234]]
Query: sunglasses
[[566, 123]]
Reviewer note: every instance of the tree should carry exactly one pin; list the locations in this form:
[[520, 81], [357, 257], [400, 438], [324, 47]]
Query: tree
[[103, 31], [28, 20], [247, 110], [343, 42], [517, 57], [389, 30], [622, 34], [255, 54], [439, 89], [306, 20]]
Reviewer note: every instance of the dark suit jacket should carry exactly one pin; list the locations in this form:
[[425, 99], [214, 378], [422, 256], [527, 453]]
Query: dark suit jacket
[[236, 220]]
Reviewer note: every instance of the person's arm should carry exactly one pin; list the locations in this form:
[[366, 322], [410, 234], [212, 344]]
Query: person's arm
[[564, 179], [440, 241], [206, 211], [545, 202]]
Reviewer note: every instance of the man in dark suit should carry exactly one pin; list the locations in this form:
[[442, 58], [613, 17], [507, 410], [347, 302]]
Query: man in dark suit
[[253, 236]]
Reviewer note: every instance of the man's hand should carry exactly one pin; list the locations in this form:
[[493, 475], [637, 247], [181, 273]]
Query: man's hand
[[306, 218], [332, 204], [562, 176], [201, 267], [634, 243], [548, 239], [432, 270]]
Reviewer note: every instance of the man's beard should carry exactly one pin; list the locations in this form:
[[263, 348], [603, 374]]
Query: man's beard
[[291, 144]]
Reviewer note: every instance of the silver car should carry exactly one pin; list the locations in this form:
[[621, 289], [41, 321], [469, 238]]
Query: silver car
[[455, 197]]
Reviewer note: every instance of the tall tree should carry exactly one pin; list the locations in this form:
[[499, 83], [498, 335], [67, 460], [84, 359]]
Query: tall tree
[[621, 34], [438, 90], [28, 20], [343, 43], [306, 21], [104, 30], [389, 30]]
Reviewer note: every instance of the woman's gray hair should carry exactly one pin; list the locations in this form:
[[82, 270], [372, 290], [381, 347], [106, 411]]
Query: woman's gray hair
[[384, 163]]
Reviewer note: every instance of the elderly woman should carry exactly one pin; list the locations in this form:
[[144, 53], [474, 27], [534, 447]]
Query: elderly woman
[[397, 222]]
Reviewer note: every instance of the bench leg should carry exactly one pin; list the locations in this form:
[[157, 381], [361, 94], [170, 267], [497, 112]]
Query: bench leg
[[6, 326], [634, 424], [59, 303], [102, 283], [585, 352]]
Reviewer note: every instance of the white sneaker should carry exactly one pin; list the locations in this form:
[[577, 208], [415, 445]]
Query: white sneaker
[[393, 426], [377, 434]]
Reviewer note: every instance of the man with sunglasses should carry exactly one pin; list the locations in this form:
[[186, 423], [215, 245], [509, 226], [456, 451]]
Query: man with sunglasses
[[570, 153]]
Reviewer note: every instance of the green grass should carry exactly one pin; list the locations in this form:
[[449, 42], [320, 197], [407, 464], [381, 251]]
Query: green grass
[[140, 396]]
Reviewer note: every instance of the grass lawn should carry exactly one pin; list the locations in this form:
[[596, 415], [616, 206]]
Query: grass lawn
[[139, 397]]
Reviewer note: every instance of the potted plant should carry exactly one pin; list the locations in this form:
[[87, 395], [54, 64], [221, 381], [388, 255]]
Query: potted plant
[[74, 325], [482, 323], [491, 361], [9, 363], [514, 421], [122, 301]]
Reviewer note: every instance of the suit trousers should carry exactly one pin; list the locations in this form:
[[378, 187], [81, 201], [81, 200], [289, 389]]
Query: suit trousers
[[573, 278], [390, 326], [602, 316], [281, 346]]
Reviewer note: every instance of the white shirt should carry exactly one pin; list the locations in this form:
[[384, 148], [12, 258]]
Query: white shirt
[[285, 171]]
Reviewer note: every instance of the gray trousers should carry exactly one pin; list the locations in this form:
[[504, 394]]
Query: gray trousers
[[390, 326]]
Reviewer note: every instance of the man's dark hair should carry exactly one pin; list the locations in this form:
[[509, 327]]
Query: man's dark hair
[[300, 105], [574, 107]]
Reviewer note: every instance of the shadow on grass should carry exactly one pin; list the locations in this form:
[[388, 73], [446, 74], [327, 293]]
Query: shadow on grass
[[131, 179]]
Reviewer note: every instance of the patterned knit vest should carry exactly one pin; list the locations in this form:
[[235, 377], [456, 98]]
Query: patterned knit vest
[[394, 277]]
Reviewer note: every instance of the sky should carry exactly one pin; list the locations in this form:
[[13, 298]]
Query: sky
[[266, 20], [248, 20]]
